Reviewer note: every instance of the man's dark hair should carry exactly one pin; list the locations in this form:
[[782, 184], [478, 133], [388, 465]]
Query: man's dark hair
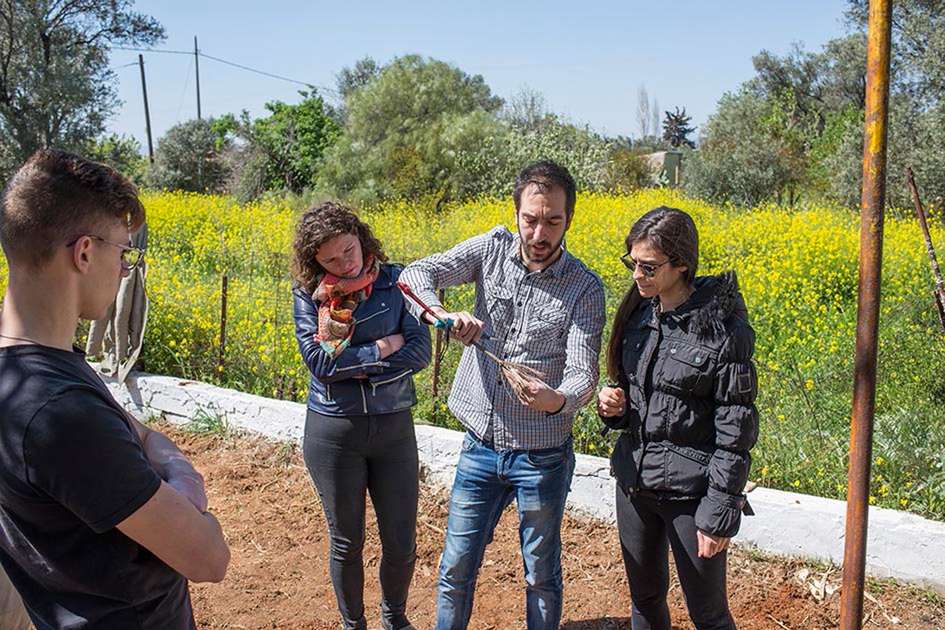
[[56, 197], [545, 175]]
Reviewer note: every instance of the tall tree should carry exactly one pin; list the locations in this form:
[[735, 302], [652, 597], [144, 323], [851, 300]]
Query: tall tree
[[750, 151], [655, 109], [283, 150], [643, 112], [918, 46], [676, 129], [393, 142], [526, 108], [350, 80], [56, 87], [823, 82]]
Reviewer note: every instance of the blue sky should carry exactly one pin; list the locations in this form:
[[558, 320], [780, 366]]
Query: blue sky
[[587, 58]]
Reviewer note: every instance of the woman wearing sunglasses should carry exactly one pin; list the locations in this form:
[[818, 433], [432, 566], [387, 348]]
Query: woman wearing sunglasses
[[680, 357]]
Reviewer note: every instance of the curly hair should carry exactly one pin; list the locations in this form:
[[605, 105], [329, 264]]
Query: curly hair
[[318, 225]]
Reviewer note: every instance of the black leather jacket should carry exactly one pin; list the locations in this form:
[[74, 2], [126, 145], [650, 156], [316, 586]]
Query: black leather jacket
[[691, 420], [334, 389]]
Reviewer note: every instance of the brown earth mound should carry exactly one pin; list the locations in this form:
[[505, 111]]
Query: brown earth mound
[[278, 576]]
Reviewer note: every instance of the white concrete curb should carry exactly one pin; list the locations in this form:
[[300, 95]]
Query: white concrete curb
[[901, 545]]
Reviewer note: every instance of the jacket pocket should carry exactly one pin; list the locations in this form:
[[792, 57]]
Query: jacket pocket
[[361, 320], [687, 469], [386, 381], [623, 465], [687, 369]]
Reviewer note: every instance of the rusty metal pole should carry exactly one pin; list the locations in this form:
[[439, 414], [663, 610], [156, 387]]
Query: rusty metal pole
[[867, 321]]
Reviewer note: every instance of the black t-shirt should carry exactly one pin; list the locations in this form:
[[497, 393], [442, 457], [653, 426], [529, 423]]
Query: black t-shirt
[[72, 468]]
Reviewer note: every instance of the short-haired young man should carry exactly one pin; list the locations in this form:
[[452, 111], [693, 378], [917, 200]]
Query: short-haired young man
[[543, 308], [102, 520]]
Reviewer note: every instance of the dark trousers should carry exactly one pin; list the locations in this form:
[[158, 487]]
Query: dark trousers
[[347, 457], [648, 527]]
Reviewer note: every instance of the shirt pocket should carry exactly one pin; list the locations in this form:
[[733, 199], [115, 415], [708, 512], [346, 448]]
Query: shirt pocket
[[547, 323], [500, 308], [687, 369]]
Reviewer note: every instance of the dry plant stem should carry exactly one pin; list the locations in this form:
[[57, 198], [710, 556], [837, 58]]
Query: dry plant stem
[[939, 290], [517, 376]]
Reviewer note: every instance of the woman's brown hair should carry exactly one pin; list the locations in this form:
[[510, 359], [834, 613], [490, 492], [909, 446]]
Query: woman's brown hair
[[318, 225], [674, 233]]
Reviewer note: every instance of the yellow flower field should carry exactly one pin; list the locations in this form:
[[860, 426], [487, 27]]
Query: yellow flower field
[[797, 269]]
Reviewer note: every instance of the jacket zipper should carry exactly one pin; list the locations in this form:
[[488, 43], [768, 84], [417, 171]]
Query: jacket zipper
[[372, 315], [363, 365], [386, 381], [363, 397], [328, 391], [646, 401]]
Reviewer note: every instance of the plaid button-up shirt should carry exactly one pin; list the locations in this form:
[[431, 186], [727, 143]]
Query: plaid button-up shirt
[[550, 320]]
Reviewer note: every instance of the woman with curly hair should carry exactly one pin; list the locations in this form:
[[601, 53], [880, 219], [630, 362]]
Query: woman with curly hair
[[680, 358], [362, 348]]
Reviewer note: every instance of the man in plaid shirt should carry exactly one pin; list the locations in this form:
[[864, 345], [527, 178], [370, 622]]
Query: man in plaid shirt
[[542, 307]]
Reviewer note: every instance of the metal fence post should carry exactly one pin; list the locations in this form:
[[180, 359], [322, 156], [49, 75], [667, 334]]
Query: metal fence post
[[223, 296], [437, 348]]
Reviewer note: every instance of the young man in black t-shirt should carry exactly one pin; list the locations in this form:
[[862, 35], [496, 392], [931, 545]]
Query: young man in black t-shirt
[[102, 520]]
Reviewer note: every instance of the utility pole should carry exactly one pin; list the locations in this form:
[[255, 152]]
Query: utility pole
[[147, 112], [197, 71], [867, 317]]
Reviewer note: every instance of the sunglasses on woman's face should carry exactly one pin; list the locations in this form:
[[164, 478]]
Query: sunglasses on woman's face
[[649, 270]]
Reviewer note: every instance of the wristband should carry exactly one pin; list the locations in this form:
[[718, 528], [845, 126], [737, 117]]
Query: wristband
[[443, 323]]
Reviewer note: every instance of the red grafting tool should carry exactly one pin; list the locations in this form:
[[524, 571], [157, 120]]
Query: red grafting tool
[[406, 290], [518, 376]]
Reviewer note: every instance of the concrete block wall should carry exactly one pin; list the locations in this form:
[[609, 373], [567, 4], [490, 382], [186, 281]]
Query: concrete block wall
[[901, 545]]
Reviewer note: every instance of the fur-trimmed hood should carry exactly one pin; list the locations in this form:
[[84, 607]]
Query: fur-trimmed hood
[[715, 301]]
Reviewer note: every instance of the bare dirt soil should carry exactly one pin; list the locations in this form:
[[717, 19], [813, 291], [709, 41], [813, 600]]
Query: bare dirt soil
[[278, 577]]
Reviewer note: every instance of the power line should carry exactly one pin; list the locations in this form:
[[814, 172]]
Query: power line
[[264, 73], [183, 92], [233, 64], [154, 50]]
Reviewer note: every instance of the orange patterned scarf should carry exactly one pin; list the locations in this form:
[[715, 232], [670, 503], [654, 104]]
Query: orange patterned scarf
[[337, 298]]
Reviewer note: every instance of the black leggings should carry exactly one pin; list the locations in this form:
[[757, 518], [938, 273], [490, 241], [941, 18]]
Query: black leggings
[[648, 528], [347, 456]]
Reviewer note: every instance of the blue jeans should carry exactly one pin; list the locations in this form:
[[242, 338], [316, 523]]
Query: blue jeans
[[486, 482]]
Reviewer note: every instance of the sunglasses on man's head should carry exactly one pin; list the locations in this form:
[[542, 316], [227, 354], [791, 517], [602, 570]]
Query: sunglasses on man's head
[[649, 270]]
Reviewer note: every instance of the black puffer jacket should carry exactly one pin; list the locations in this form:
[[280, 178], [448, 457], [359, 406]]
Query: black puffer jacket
[[691, 420]]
